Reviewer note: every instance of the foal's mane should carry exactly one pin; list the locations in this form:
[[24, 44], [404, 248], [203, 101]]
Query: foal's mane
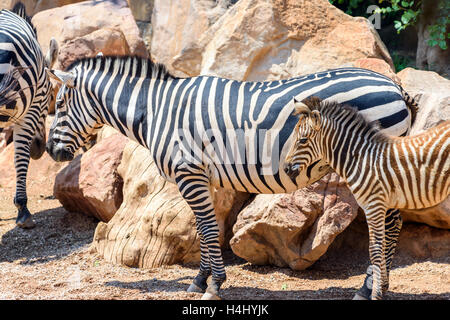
[[332, 110]]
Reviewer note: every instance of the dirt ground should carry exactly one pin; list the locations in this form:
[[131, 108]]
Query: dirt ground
[[54, 261]]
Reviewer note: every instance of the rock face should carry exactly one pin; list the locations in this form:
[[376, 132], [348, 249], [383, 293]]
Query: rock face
[[294, 229], [433, 95], [154, 226], [34, 6], [86, 28], [90, 183], [272, 39]]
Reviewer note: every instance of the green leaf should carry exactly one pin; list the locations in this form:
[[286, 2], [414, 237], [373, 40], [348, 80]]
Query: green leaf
[[443, 44]]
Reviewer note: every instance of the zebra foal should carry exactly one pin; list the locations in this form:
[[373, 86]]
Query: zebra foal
[[383, 172]]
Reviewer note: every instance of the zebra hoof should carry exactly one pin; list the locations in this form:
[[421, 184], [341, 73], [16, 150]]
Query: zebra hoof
[[195, 288], [210, 296], [27, 224], [359, 297]]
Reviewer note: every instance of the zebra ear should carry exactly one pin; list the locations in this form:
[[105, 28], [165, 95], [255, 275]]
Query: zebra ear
[[315, 119], [52, 53], [300, 108], [66, 78]]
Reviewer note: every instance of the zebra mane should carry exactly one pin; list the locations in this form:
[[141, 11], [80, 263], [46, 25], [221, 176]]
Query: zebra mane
[[151, 69], [332, 109]]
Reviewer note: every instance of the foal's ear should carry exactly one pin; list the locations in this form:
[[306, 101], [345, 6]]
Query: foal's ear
[[300, 108], [315, 119]]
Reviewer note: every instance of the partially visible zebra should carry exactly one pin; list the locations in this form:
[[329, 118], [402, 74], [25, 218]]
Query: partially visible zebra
[[383, 172], [24, 97], [208, 131]]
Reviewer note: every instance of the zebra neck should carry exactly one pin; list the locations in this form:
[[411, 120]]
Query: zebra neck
[[350, 148]]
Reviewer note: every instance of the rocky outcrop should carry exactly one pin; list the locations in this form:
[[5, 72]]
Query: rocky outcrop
[[84, 29], [271, 39], [294, 229], [154, 226], [432, 92], [90, 183], [34, 6]]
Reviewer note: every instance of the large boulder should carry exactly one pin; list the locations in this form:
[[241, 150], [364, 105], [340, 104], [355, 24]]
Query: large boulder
[[154, 226], [272, 39], [86, 28], [33, 6], [177, 25], [295, 229], [432, 93], [90, 183]]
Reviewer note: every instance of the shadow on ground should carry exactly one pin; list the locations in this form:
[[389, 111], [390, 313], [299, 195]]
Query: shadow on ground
[[254, 293], [57, 234]]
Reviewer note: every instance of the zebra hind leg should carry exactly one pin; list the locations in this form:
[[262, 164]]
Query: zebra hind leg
[[200, 281], [393, 225], [194, 187]]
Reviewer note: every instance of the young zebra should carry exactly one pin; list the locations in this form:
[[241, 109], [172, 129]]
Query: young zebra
[[207, 131], [25, 96], [382, 171]]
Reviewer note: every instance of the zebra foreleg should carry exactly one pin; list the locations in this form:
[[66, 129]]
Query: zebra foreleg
[[194, 188], [393, 225], [22, 141], [376, 222]]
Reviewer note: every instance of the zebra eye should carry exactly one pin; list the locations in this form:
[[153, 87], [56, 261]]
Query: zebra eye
[[303, 140]]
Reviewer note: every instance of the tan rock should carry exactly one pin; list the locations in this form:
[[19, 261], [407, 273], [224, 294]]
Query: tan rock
[[90, 183], [294, 229], [83, 29], [377, 65], [34, 6], [432, 92], [271, 39], [154, 226], [177, 25]]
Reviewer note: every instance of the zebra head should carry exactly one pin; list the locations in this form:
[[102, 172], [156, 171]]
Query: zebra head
[[76, 120], [305, 150], [37, 147]]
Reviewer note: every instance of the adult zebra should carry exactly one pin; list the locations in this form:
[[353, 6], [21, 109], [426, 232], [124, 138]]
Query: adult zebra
[[207, 131], [25, 96]]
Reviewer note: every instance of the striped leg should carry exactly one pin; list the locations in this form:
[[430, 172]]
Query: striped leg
[[199, 283], [393, 225], [376, 219], [22, 142], [194, 187]]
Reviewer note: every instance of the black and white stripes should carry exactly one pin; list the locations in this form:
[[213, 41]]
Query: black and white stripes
[[25, 96], [208, 131]]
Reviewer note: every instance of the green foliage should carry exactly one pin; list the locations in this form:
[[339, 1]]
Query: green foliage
[[406, 14], [401, 62]]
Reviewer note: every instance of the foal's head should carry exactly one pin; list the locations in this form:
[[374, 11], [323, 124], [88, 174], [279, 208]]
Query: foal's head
[[305, 148]]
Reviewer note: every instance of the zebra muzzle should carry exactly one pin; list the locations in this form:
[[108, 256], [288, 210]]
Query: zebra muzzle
[[59, 154], [291, 171]]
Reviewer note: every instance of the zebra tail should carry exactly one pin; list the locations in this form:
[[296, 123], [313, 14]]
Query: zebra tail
[[411, 103], [9, 84]]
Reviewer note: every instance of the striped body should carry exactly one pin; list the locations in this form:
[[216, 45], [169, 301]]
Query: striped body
[[28, 96], [208, 131], [415, 171], [383, 172]]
